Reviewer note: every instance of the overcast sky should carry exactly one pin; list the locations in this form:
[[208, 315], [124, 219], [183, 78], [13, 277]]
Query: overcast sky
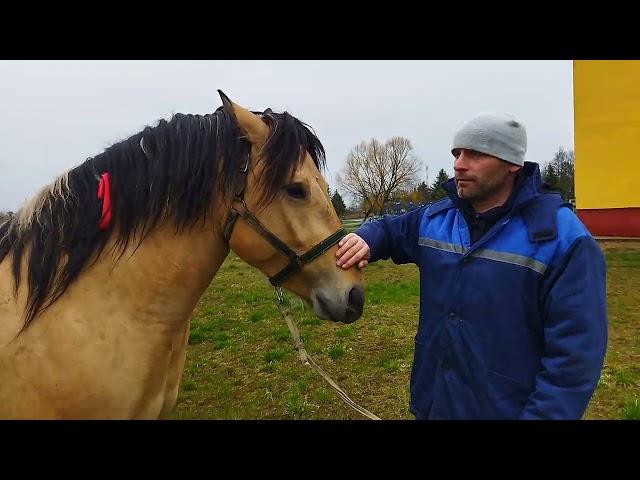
[[55, 114]]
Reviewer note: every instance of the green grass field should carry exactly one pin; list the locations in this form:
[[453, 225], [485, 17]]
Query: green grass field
[[351, 225], [241, 363]]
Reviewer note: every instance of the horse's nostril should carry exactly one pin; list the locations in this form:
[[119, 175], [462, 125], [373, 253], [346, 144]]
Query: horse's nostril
[[356, 299]]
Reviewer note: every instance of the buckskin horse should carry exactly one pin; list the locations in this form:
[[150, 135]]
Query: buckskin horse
[[101, 270]]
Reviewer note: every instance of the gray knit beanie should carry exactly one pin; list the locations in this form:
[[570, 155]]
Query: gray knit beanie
[[496, 134]]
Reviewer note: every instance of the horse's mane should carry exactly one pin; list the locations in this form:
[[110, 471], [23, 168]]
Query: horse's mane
[[171, 171]]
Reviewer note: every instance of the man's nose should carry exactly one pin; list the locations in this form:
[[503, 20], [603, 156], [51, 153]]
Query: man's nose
[[460, 163]]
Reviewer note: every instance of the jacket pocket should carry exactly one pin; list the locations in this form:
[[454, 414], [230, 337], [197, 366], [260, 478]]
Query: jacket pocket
[[508, 395]]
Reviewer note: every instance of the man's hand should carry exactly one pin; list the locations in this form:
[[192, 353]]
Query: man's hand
[[352, 250]]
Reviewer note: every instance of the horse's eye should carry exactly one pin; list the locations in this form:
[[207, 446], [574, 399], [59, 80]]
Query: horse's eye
[[296, 190]]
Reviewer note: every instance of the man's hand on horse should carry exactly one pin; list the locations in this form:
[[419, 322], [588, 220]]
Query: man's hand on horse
[[352, 250]]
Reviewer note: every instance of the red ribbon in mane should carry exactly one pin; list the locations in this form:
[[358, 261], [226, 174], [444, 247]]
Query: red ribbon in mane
[[104, 194]]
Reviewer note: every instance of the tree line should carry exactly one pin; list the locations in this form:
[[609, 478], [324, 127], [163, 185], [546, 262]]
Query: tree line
[[379, 173]]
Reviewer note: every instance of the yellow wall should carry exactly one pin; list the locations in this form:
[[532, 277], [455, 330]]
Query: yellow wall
[[607, 133]]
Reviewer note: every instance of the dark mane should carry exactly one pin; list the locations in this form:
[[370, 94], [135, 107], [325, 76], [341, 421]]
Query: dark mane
[[166, 172]]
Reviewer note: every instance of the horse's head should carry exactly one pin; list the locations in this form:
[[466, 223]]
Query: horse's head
[[289, 229]]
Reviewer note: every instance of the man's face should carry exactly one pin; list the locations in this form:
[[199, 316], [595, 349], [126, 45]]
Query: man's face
[[479, 176]]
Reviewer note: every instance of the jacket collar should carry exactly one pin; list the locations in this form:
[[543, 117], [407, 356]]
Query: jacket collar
[[539, 218]]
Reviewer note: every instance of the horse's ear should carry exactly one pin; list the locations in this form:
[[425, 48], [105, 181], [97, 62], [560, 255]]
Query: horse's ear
[[249, 124]]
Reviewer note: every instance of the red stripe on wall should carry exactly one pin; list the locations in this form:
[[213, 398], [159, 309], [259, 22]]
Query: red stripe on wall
[[611, 222]]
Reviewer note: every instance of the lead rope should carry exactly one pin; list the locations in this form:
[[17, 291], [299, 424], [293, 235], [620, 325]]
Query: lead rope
[[306, 358]]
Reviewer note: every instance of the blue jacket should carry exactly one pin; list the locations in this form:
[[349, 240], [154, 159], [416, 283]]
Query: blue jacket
[[514, 326]]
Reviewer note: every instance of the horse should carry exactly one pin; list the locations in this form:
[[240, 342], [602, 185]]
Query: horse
[[100, 271]]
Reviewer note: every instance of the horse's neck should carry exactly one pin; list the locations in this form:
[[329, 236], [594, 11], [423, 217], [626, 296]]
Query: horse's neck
[[113, 346], [155, 285], [167, 274]]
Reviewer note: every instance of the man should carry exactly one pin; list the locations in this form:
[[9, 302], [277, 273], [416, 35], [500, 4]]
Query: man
[[513, 318]]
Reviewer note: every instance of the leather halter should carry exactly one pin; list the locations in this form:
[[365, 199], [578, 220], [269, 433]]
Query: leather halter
[[296, 262]]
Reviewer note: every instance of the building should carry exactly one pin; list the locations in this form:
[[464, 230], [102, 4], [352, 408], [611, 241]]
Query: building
[[607, 146]]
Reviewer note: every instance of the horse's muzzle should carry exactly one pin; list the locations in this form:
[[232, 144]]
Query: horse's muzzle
[[346, 310]]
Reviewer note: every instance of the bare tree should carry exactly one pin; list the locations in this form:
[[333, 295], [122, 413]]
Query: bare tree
[[374, 172]]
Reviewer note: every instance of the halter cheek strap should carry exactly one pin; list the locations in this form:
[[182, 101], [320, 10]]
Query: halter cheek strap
[[296, 262]]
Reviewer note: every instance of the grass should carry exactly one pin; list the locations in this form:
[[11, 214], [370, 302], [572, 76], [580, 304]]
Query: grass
[[275, 355], [241, 362], [631, 409], [336, 352], [352, 225], [620, 378]]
